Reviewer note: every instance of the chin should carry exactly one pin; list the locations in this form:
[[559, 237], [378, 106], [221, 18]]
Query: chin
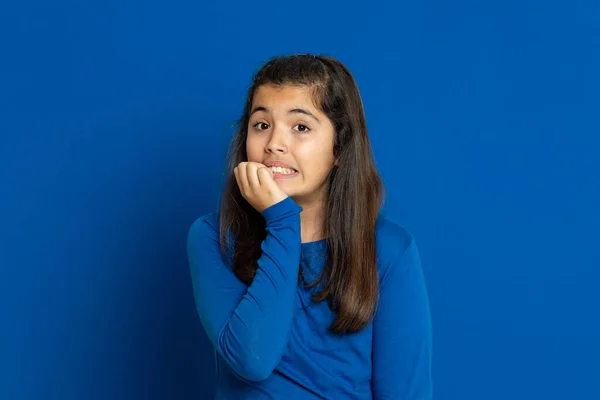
[[289, 191]]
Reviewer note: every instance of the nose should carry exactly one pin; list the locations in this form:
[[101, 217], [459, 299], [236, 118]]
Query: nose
[[276, 144]]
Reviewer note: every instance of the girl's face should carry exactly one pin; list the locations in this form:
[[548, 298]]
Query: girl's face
[[289, 134]]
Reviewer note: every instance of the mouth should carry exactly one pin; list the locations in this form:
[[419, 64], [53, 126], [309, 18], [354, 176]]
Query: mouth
[[283, 171], [280, 173]]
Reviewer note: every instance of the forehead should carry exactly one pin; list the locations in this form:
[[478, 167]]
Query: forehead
[[274, 97]]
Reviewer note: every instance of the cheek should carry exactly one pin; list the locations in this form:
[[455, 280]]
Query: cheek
[[253, 150], [316, 163]]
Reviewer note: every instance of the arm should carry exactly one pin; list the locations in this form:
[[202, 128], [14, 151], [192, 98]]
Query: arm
[[248, 325], [402, 333]]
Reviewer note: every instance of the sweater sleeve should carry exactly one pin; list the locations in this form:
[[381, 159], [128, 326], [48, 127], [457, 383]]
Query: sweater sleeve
[[249, 326], [402, 333]]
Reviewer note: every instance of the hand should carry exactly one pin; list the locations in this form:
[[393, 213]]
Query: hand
[[257, 185]]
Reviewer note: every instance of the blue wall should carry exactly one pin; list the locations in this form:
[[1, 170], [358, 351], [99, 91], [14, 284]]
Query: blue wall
[[114, 121]]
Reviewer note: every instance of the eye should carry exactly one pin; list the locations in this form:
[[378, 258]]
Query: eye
[[261, 126], [302, 128]]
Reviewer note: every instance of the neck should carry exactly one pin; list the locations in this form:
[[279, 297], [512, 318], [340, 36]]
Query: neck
[[312, 222]]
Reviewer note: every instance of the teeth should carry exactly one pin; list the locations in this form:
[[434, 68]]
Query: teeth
[[281, 170]]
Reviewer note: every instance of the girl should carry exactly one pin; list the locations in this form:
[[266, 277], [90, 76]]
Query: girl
[[303, 288]]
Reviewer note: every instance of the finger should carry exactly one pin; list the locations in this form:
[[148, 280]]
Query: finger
[[265, 176], [267, 181], [252, 174], [243, 180], [236, 175]]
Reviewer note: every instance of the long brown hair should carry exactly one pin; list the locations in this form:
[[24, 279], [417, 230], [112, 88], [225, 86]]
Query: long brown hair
[[355, 193]]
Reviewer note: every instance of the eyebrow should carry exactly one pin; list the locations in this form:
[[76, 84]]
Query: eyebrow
[[296, 110]]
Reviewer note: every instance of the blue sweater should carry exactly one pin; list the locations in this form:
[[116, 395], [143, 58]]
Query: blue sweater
[[271, 340]]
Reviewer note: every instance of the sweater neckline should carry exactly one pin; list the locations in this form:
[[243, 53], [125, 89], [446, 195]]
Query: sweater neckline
[[314, 246]]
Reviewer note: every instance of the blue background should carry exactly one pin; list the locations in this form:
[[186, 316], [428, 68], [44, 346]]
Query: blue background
[[115, 117]]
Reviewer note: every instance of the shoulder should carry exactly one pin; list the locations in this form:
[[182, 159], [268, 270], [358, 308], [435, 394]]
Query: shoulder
[[203, 232], [205, 224], [204, 243], [394, 241]]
